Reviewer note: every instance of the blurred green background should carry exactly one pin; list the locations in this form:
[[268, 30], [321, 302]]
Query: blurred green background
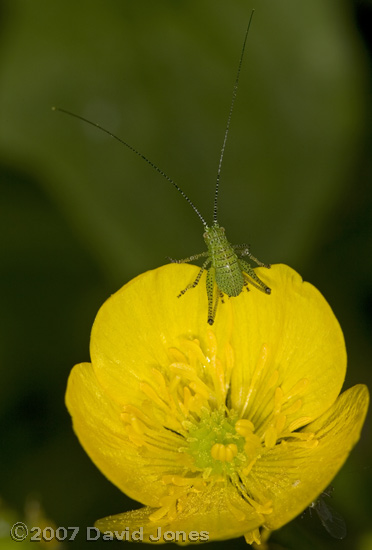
[[80, 215]]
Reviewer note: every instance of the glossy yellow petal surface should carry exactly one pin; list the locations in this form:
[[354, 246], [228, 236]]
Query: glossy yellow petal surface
[[291, 337], [294, 475], [97, 422], [135, 328], [218, 511], [220, 429]]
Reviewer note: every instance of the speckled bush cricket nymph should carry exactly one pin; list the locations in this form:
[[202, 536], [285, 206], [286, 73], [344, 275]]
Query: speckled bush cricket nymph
[[227, 272]]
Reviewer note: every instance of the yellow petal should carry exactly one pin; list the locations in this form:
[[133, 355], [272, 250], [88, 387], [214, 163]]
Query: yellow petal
[[135, 328], [293, 476], [96, 421], [289, 339], [218, 511]]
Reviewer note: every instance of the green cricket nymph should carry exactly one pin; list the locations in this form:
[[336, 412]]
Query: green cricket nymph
[[228, 273]]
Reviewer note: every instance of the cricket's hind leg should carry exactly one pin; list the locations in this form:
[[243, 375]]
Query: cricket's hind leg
[[251, 277], [212, 302]]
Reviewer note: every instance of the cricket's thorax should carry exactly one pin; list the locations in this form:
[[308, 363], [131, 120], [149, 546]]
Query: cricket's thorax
[[228, 273]]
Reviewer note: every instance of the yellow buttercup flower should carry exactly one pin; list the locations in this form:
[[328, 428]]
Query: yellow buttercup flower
[[219, 431]]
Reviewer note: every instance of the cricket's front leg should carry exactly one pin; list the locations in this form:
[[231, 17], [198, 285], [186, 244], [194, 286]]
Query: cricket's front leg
[[195, 283], [190, 259]]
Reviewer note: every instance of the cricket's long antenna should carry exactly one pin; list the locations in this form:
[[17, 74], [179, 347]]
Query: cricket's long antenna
[[235, 90], [137, 153]]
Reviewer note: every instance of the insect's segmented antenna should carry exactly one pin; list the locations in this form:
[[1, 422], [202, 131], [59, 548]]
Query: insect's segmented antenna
[[235, 90], [137, 153]]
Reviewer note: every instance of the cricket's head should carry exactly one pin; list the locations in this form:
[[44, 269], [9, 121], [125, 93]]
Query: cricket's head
[[213, 235]]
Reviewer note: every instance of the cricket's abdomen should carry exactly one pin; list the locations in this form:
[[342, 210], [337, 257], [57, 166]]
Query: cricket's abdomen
[[229, 277], [228, 273]]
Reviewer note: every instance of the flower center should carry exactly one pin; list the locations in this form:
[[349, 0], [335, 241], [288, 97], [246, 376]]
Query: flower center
[[188, 431], [214, 443]]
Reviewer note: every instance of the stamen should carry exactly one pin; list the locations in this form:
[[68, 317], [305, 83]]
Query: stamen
[[159, 380], [201, 388], [244, 427], [273, 379], [186, 400], [278, 399], [308, 444], [299, 422], [195, 351], [138, 426], [176, 356], [253, 387], [271, 435], [265, 509], [253, 537], [248, 468], [158, 514], [150, 392], [197, 404], [280, 423], [299, 387], [216, 368], [294, 408], [238, 514]]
